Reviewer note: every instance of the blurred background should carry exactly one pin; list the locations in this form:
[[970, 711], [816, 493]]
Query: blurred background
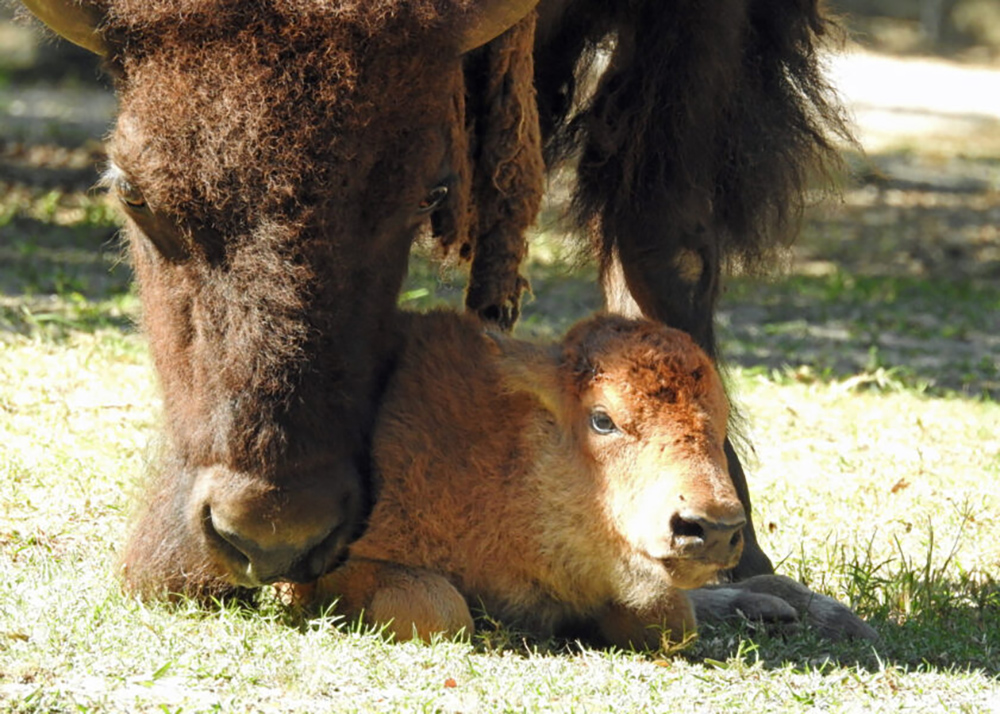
[[894, 281]]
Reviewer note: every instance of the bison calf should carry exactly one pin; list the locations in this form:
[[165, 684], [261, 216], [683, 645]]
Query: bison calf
[[582, 484], [577, 483]]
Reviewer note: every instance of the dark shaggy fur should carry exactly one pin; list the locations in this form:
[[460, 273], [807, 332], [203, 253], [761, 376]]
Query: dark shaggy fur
[[278, 157], [703, 134], [718, 102]]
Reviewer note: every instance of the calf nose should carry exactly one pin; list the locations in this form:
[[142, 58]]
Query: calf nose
[[694, 535]]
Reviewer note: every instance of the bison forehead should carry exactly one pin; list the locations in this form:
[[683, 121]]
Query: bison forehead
[[259, 112]]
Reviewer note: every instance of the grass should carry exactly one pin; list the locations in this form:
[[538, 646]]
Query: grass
[[874, 495], [868, 389]]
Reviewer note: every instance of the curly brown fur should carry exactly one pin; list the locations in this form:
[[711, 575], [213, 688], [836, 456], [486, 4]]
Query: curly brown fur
[[507, 161], [282, 151], [539, 516]]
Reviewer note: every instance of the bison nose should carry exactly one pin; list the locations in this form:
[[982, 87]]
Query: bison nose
[[694, 535], [296, 528], [257, 564]]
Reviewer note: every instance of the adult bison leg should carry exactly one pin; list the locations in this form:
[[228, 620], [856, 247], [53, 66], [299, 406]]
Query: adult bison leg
[[509, 171], [679, 286], [780, 602]]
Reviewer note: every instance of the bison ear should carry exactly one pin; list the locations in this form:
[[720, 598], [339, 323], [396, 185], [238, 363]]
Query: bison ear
[[532, 368]]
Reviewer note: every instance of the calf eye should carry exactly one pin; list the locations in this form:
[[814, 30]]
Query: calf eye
[[433, 199], [602, 424]]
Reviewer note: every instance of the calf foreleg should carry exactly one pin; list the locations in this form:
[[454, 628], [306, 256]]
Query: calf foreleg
[[408, 602]]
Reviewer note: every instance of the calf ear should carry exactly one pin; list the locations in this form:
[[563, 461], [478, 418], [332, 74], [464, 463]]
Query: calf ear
[[527, 367]]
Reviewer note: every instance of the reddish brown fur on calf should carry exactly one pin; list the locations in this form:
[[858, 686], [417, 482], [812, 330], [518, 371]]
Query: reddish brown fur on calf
[[494, 487]]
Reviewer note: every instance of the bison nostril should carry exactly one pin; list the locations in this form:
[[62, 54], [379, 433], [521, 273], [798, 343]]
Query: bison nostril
[[255, 564], [326, 556], [224, 542]]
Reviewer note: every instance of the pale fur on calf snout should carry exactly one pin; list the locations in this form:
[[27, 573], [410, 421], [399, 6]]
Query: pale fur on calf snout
[[577, 483]]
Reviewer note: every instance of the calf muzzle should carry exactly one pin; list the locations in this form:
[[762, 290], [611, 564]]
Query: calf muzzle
[[695, 536]]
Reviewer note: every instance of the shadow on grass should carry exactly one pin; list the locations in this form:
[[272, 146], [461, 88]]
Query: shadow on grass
[[57, 319], [933, 335], [886, 333], [43, 258]]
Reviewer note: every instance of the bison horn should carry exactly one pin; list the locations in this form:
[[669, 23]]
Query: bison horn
[[75, 20], [490, 19]]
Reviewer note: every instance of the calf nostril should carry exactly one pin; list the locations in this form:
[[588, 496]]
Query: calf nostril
[[737, 537], [683, 528]]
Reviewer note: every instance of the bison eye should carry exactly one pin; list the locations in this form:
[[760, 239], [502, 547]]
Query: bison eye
[[433, 199], [129, 194], [602, 424]]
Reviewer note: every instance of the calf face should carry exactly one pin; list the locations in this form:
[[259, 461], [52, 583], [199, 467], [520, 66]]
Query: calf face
[[649, 409], [583, 481]]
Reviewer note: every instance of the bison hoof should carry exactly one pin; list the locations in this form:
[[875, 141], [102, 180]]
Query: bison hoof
[[778, 600], [503, 316]]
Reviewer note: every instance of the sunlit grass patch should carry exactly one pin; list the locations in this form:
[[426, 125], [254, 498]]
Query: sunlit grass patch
[[873, 496]]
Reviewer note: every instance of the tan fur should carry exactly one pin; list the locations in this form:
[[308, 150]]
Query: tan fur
[[494, 489]]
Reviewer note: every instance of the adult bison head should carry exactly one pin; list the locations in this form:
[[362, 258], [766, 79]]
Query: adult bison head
[[275, 159]]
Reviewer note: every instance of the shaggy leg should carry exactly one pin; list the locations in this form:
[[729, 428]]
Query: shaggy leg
[[408, 602], [680, 291], [509, 171], [782, 601], [670, 621]]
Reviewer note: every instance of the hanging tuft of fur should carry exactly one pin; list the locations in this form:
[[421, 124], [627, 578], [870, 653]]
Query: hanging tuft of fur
[[712, 115], [506, 169]]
